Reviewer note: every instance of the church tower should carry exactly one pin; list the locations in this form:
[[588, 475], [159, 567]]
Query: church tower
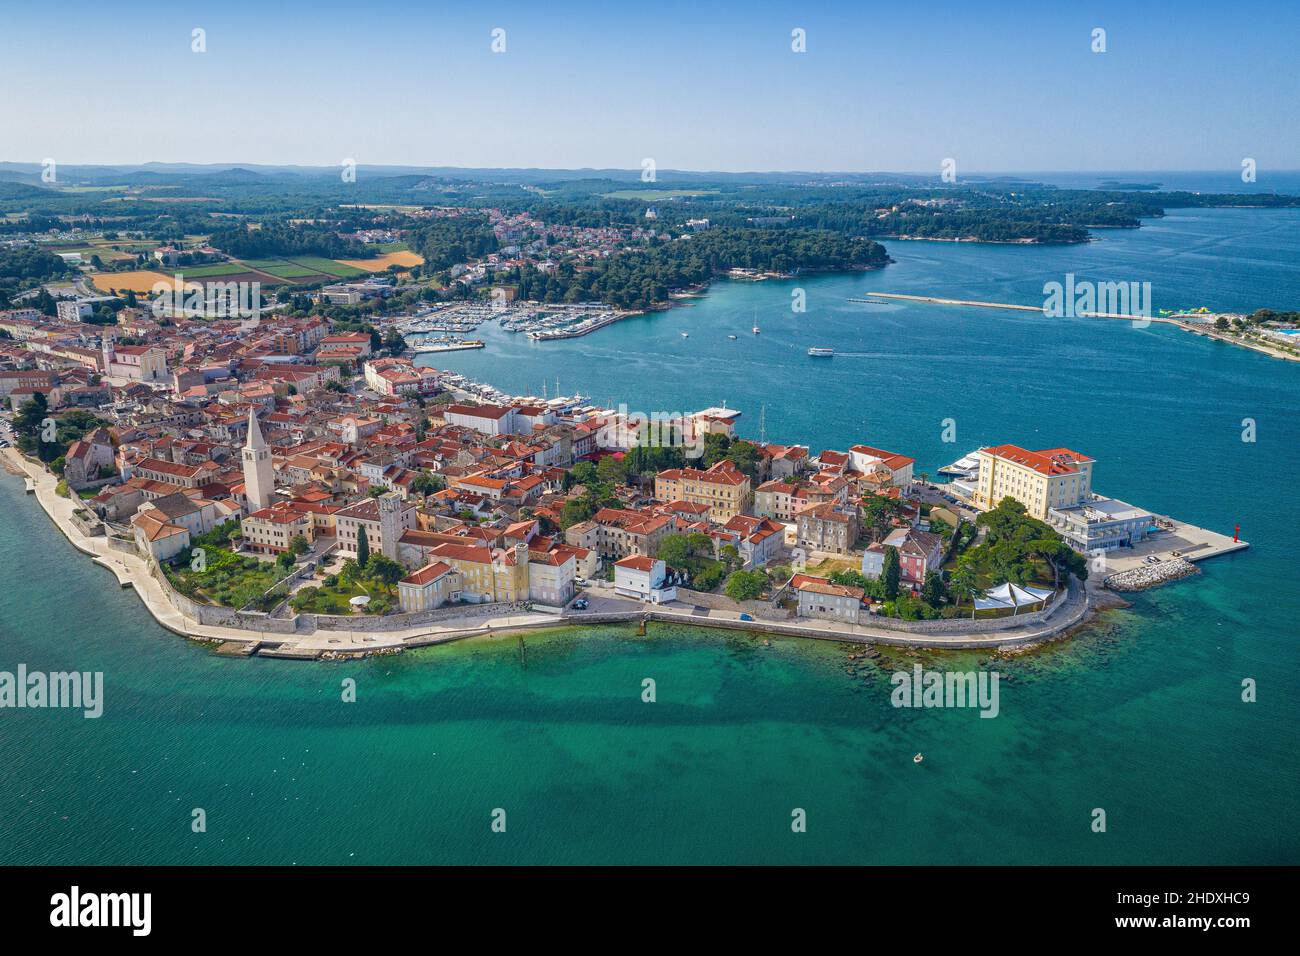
[[259, 475], [106, 342], [390, 524]]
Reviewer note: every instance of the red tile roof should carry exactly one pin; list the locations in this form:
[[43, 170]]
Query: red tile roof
[[1050, 461]]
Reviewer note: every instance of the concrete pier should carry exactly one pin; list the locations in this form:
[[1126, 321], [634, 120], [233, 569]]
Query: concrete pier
[[1183, 540]]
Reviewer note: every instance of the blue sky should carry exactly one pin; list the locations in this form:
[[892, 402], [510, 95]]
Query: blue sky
[[894, 86]]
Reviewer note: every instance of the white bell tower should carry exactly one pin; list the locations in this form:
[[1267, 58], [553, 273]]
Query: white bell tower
[[259, 474]]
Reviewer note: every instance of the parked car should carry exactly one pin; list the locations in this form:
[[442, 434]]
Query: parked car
[[746, 617], [580, 604]]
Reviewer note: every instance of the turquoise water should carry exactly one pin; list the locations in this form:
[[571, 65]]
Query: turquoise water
[[1141, 716]]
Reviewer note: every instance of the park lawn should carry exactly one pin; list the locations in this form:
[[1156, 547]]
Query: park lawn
[[323, 599]]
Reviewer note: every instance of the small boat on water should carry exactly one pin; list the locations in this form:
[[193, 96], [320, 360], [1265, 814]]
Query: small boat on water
[[821, 352], [731, 336], [917, 759], [756, 330], [686, 335]]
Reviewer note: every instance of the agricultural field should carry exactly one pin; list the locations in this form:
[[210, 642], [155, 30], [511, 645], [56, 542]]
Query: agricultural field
[[404, 259], [651, 195], [388, 207], [329, 267], [137, 280], [104, 252], [212, 271], [285, 269], [92, 189]]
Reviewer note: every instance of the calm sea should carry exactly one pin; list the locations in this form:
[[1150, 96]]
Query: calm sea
[[1141, 717]]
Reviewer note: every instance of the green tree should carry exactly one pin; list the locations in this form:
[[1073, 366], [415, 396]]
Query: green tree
[[575, 511], [932, 589], [878, 514], [426, 483], [746, 585], [729, 556], [611, 470], [385, 570], [890, 573], [582, 473], [964, 577], [850, 578], [298, 544], [363, 548]]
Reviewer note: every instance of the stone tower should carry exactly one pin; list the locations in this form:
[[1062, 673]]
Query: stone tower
[[390, 523], [520, 583], [259, 475], [106, 341]]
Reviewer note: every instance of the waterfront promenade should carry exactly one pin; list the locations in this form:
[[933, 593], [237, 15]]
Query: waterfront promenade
[[132, 570]]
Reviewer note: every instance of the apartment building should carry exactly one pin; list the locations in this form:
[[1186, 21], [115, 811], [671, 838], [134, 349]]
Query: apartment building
[[828, 527], [620, 533], [724, 488], [385, 519]]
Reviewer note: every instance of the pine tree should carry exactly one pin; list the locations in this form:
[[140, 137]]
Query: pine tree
[[363, 548]]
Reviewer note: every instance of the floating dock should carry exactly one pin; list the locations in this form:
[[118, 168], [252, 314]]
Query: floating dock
[[446, 347]]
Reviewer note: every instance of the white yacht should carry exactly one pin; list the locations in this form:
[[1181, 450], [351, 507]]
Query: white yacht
[[968, 466]]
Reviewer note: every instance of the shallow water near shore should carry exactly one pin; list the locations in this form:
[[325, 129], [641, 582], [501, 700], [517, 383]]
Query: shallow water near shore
[[1141, 714]]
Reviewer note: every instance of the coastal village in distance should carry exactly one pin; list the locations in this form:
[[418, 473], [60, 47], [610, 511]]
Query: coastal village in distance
[[297, 487]]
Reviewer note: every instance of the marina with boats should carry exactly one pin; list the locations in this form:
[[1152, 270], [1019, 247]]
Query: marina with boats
[[538, 321]]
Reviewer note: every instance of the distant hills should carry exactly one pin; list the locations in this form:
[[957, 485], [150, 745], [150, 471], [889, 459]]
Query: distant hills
[[145, 174]]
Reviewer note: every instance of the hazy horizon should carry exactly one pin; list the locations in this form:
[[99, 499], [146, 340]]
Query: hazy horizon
[[1010, 87], [243, 164]]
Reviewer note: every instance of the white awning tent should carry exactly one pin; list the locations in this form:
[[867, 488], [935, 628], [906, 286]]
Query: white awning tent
[[1011, 595]]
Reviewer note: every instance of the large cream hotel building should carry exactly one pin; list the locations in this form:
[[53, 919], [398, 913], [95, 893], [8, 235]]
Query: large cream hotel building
[[1039, 480]]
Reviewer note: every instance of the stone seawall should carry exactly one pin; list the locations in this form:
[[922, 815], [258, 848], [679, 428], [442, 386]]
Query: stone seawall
[[964, 625], [1000, 632], [216, 615], [399, 621], [720, 602]]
